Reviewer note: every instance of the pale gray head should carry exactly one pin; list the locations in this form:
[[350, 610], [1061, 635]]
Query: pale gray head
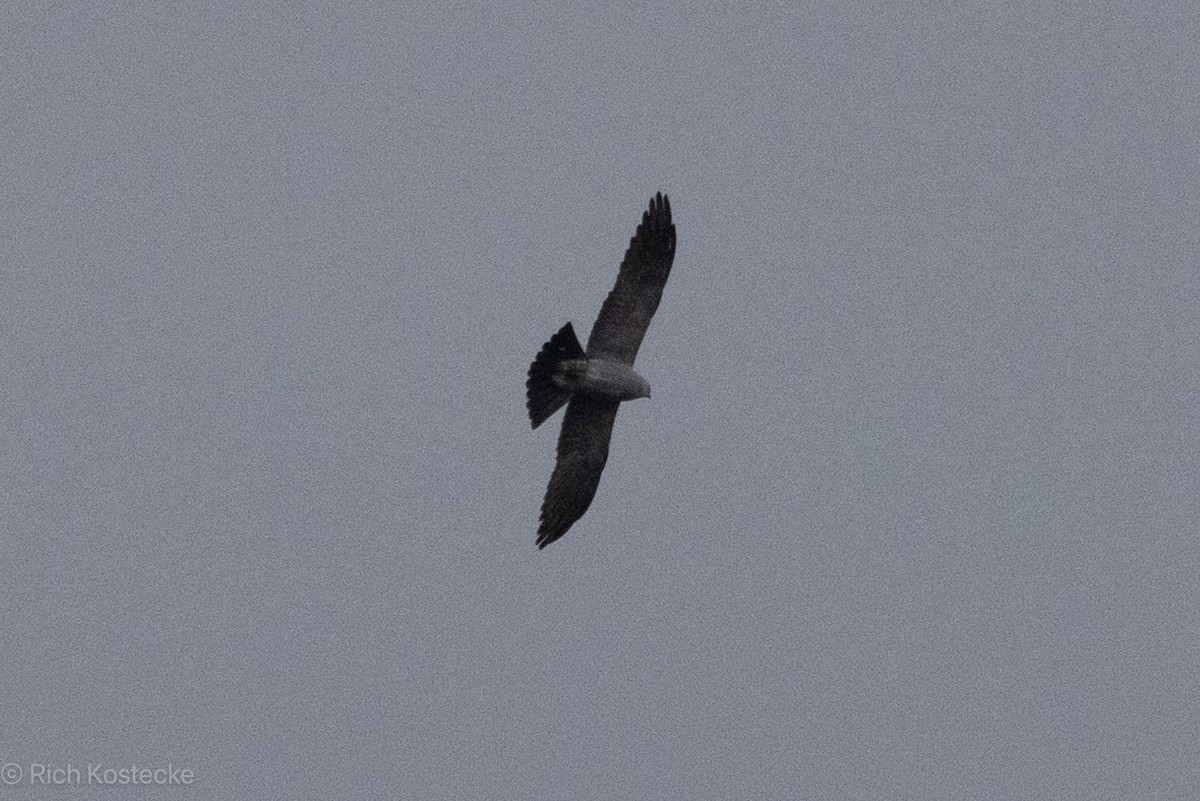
[[642, 387]]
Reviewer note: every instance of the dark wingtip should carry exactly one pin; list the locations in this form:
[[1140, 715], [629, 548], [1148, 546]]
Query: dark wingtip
[[659, 211], [659, 204], [549, 532], [657, 223]]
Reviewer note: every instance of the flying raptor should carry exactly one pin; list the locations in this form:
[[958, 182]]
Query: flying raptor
[[593, 383]]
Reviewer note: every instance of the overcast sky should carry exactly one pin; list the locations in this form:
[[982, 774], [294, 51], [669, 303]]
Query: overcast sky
[[912, 513]]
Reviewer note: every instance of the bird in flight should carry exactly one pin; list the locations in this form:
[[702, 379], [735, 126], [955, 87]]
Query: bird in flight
[[593, 383]]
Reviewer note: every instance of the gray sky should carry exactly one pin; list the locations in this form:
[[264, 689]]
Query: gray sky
[[911, 514]]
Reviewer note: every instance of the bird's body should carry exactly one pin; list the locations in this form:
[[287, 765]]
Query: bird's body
[[603, 378], [592, 384], [612, 379]]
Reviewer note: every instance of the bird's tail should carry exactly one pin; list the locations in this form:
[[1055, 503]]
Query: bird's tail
[[551, 382]]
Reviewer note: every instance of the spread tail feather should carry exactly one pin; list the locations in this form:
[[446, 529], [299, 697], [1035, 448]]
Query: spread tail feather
[[544, 394]]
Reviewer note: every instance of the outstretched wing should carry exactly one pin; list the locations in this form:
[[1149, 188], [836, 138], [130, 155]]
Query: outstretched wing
[[626, 313], [582, 452]]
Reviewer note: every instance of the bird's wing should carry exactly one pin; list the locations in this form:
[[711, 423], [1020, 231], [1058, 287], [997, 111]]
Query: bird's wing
[[626, 313], [582, 452]]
